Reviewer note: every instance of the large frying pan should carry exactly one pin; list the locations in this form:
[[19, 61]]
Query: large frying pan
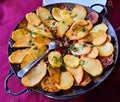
[[74, 91]]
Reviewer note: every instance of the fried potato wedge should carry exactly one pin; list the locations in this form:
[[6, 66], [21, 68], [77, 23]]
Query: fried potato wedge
[[89, 25], [33, 19], [106, 49], [77, 30], [41, 40], [26, 60], [71, 61], [19, 33], [67, 13], [80, 48], [37, 50], [23, 24], [63, 26], [91, 66], [66, 81], [35, 75], [109, 38], [17, 56], [55, 73], [98, 27], [45, 13], [56, 13], [93, 53], [80, 11], [99, 38], [23, 42], [32, 28], [77, 73], [55, 58], [49, 85]]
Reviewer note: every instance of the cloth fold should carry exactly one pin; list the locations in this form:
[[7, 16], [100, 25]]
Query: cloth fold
[[11, 12]]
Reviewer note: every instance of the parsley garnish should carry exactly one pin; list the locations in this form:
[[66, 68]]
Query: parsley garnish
[[57, 59], [83, 29], [73, 48], [63, 21], [83, 45], [50, 18], [63, 66], [35, 48], [82, 62]]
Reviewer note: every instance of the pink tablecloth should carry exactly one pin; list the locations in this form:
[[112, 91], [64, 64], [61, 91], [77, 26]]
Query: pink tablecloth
[[11, 12]]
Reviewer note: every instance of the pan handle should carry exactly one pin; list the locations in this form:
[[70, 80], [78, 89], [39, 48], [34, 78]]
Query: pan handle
[[103, 6], [11, 73]]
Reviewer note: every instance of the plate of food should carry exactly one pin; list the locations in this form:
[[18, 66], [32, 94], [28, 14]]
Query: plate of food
[[86, 57]]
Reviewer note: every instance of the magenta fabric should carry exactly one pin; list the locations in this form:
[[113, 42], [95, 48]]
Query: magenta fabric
[[11, 12]]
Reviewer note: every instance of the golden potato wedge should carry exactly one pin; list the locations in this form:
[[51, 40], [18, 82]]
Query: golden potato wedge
[[41, 40], [80, 11], [17, 56], [77, 73], [63, 26], [56, 13], [35, 75], [66, 81], [99, 38], [71, 61], [80, 48], [67, 13], [45, 13], [26, 60], [33, 19], [19, 33], [106, 49], [98, 27], [55, 73], [23, 42], [48, 84], [93, 53], [77, 30], [91, 66], [55, 58], [37, 50], [109, 38]]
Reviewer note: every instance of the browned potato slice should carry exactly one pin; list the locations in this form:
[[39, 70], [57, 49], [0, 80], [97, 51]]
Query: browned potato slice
[[56, 13], [41, 40], [55, 58], [48, 84], [37, 50], [93, 53], [33, 19], [109, 38], [67, 13], [86, 79], [80, 48], [99, 38], [26, 60], [89, 25], [35, 75], [98, 27], [71, 61], [55, 74], [106, 49], [19, 33], [23, 24], [23, 42], [77, 73], [63, 26], [45, 13], [17, 56], [80, 11], [77, 30], [66, 81], [91, 66]]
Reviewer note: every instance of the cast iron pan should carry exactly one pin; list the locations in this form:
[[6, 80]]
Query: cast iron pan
[[75, 90]]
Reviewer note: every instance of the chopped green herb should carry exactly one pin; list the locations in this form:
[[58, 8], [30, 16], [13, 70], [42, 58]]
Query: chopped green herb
[[57, 59], [92, 46], [35, 48], [63, 21], [84, 45], [73, 48], [82, 62], [31, 43], [63, 66], [31, 34], [50, 66], [83, 29], [50, 18]]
